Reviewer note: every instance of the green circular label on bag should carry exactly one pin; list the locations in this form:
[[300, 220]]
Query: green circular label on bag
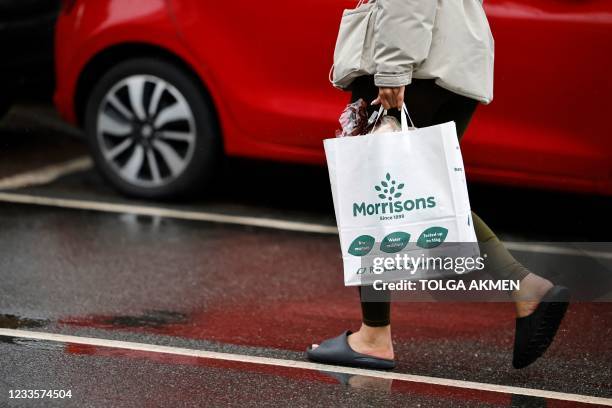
[[432, 237], [362, 245], [394, 242]]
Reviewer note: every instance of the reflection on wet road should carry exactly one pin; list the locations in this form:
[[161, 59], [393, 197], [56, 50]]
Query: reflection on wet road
[[116, 378]]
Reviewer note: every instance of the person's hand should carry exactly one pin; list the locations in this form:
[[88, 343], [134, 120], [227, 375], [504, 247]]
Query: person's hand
[[390, 97]]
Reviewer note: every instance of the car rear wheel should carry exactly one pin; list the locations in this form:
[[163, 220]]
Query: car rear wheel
[[151, 130]]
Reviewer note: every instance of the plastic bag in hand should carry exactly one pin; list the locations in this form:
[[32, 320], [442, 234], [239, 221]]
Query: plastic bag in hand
[[353, 119], [387, 124]]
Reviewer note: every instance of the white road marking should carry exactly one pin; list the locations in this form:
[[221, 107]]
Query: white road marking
[[167, 212], [555, 250], [45, 174], [49, 174], [243, 358], [252, 221]]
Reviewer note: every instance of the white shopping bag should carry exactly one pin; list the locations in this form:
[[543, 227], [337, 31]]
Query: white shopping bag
[[400, 192]]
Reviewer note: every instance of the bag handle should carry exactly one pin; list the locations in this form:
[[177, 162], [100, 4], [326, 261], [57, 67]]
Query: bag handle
[[403, 114], [404, 118]]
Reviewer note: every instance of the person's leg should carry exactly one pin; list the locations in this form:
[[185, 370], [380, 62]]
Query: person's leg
[[375, 306], [540, 305], [502, 265], [374, 336], [499, 263]]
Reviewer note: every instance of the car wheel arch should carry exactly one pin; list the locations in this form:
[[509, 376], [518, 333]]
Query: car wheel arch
[[104, 60]]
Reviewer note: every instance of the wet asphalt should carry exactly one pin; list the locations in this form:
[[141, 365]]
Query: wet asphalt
[[254, 291]]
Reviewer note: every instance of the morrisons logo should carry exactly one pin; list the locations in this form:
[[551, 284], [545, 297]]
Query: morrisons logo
[[390, 192]]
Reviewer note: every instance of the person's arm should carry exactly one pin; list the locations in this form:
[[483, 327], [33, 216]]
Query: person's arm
[[402, 36]]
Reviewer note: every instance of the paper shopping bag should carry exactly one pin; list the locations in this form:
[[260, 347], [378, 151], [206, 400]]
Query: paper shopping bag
[[400, 193]]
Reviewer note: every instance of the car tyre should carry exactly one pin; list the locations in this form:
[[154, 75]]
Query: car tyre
[[151, 130]]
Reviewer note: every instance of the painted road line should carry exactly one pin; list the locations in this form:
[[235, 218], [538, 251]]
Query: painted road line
[[51, 173], [168, 212], [243, 358], [46, 174], [555, 250], [271, 223]]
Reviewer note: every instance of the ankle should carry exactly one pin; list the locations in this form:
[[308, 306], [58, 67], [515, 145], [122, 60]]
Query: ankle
[[532, 289], [528, 297], [375, 336], [374, 341]]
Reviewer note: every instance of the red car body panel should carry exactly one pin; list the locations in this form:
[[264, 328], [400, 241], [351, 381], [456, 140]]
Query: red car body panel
[[266, 70]]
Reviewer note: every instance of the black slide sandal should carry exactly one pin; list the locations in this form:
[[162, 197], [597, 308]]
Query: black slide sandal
[[338, 352], [534, 333]]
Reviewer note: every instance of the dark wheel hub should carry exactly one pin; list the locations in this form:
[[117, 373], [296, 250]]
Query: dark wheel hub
[[146, 130]]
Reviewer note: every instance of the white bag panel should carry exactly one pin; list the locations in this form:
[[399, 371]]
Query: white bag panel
[[425, 188]]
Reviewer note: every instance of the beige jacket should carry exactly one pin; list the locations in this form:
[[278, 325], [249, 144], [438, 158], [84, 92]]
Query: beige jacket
[[449, 40]]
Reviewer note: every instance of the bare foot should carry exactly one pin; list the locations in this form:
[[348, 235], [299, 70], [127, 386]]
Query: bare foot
[[528, 297], [373, 341]]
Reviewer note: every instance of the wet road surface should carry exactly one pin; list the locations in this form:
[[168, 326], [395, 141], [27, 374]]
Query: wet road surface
[[135, 378], [252, 291], [181, 283]]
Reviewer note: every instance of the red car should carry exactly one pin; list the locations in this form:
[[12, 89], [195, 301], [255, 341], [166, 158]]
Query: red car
[[162, 88]]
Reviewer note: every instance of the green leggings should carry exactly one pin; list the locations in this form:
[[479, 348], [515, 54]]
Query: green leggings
[[429, 105]]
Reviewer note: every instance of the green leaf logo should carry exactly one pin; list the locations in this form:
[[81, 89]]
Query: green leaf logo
[[362, 245], [389, 189], [432, 237], [394, 242]]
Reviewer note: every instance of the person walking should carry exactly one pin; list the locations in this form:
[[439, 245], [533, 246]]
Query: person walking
[[437, 57]]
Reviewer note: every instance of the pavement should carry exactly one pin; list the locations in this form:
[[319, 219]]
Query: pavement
[[212, 301]]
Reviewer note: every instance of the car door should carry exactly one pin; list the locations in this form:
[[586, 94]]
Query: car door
[[269, 61], [547, 123]]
